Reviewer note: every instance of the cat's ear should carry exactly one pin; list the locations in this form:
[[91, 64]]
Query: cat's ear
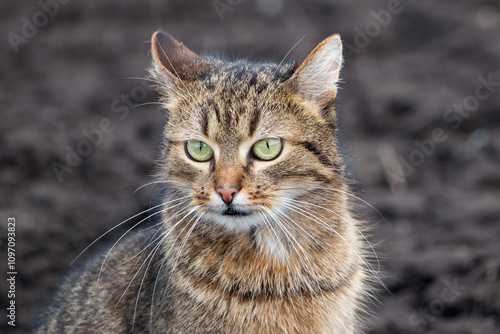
[[315, 78], [174, 58]]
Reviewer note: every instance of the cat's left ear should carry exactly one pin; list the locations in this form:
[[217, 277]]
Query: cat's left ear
[[316, 77]]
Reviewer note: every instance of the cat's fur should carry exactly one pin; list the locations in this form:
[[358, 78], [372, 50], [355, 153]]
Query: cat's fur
[[296, 264]]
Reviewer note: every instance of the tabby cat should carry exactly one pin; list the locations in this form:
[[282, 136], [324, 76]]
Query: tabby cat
[[256, 233]]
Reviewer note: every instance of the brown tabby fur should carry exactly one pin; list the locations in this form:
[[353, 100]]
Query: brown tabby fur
[[304, 274]]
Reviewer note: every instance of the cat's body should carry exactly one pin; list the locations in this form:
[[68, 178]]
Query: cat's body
[[257, 236]]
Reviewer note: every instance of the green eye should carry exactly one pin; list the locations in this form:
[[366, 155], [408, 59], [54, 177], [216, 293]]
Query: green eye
[[267, 149], [198, 151]]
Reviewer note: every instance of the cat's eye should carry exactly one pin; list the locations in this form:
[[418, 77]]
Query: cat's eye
[[267, 149], [198, 151]]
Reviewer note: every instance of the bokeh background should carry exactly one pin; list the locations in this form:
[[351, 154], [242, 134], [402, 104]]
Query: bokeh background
[[419, 111]]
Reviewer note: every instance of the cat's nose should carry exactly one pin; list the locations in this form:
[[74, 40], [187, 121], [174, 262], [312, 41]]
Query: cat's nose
[[227, 192]]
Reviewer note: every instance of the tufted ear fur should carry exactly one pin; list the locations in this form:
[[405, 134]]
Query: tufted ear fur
[[316, 77], [175, 59]]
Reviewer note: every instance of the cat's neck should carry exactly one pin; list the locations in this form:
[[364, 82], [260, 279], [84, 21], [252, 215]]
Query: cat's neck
[[306, 291], [237, 264]]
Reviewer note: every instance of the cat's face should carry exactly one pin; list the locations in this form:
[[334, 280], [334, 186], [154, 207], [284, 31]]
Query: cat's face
[[243, 140]]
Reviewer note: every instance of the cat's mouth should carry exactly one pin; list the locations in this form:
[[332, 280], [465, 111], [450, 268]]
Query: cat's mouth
[[230, 211], [234, 217]]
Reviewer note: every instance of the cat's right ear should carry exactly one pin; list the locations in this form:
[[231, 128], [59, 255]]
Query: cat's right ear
[[174, 58]]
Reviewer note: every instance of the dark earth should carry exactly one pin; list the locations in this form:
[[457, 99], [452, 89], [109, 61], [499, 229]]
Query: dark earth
[[419, 111]]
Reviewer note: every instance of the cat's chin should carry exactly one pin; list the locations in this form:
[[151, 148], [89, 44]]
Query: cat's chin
[[234, 220]]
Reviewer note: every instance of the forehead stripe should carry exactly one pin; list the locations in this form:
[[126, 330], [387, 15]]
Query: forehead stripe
[[204, 123], [254, 122]]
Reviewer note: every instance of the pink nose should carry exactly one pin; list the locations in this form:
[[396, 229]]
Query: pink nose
[[227, 192]]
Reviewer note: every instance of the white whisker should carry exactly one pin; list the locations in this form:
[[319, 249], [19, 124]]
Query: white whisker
[[312, 238], [294, 242], [161, 182], [182, 247], [116, 226], [345, 220], [268, 96], [130, 229], [154, 238], [345, 193], [321, 222]]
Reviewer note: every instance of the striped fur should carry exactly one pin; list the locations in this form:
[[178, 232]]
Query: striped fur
[[296, 263]]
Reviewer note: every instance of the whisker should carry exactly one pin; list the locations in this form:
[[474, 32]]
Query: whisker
[[130, 229], [292, 240], [319, 221], [280, 212], [162, 84], [116, 226], [293, 47], [142, 282], [312, 238], [162, 181], [344, 219], [270, 227], [146, 104], [370, 268], [136, 273], [169, 105], [268, 96], [180, 250], [345, 193], [166, 255], [151, 254], [154, 238]]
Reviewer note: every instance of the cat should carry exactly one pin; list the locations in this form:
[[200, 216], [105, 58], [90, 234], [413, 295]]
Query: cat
[[256, 232]]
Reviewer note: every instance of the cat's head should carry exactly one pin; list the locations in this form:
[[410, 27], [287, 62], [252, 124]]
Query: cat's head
[[243, 140]]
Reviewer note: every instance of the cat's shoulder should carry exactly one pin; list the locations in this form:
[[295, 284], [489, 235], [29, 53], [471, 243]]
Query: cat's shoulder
[[97, 275]]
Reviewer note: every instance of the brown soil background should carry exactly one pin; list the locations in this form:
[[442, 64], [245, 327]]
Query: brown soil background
[[443, 215]]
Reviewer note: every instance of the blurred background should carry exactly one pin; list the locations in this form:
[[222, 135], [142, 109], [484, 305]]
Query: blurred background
[[419, 110]]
